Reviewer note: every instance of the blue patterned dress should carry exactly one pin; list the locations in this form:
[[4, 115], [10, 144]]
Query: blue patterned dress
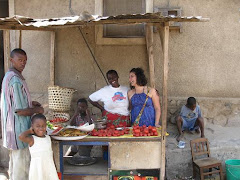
[[148, 115]]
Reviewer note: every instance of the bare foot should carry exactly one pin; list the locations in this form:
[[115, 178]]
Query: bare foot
[[202, 136], [190, 132], [197, 131], [180, 136]]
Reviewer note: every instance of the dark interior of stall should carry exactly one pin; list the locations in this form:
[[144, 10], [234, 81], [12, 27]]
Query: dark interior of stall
[[3, 13]]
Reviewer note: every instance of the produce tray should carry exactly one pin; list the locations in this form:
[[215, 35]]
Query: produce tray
[[130, 135]]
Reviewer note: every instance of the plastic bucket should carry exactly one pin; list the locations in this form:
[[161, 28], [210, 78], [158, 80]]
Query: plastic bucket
[[233, 169]]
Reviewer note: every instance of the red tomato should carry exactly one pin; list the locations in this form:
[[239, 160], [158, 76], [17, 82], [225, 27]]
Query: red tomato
[[136, 127], [145, 130], [144, 126], [154, 129], [137, 130], [56, 130]]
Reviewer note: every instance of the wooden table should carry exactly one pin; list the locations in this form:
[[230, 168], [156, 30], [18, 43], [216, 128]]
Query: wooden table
[[118, 150]]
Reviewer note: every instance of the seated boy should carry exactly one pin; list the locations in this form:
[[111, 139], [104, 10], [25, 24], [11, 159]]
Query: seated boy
[[190, 118], [80, 117]]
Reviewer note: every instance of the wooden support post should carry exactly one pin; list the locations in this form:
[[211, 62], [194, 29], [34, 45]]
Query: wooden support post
[[165, 94], [52, 59], [149, 43], [6, 44], [20, 39]]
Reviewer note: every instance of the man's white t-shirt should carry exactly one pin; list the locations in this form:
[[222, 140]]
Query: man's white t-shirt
[[115, 100]]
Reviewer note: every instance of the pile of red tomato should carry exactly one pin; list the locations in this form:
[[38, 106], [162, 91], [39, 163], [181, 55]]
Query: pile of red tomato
[[58, 120], [137, 131], [109, 132], [144, 131]]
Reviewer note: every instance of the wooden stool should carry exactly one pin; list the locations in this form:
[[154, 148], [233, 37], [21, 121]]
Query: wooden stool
[[202, 161]]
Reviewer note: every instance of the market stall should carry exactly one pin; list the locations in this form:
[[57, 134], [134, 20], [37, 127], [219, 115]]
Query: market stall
[[145, 144], [123, 154]]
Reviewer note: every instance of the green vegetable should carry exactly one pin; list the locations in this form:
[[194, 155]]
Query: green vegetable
[[49, 125]]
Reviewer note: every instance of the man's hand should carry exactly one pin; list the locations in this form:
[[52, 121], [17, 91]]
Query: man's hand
[[35, 103], [77, 111], [29, 111], [38, 109]]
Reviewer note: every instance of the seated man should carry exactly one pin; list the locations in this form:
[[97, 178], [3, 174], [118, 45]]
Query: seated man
[[190, 118], [80, 117]]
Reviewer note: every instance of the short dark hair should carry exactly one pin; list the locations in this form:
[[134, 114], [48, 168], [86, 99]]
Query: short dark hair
[[82, 100], [141, 78], [17, 51], [111, 72], [38, 116], [191, 101]]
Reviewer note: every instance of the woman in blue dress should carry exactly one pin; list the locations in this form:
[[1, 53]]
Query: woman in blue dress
[[137, 97]]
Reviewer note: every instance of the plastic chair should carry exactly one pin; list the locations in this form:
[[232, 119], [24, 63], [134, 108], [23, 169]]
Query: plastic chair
[[202, 161]]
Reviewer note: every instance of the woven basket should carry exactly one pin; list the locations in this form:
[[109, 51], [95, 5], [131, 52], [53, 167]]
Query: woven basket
[[59, 98]]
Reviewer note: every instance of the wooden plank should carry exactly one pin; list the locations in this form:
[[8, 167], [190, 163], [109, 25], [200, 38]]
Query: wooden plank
[[20, 39], [165, 94], [6, 47], [19, 27], [118, 139], [52, 59], [149, 43]]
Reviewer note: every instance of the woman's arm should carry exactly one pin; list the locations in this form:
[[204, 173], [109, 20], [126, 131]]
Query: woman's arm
[[156, 104], [130, 93], [26, 136], [96, 104]]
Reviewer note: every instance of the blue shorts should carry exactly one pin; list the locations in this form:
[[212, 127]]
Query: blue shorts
[[189, 125]]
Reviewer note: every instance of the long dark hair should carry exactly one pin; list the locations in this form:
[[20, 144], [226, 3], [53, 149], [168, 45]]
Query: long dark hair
[[141, 78]]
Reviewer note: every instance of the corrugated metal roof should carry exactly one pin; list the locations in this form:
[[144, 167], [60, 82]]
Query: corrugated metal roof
[[21, 22]]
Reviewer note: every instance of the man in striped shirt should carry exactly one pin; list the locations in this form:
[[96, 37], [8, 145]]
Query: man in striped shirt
[[16, 111]]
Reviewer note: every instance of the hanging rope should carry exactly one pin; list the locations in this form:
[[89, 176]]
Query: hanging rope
[[84, 38]]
